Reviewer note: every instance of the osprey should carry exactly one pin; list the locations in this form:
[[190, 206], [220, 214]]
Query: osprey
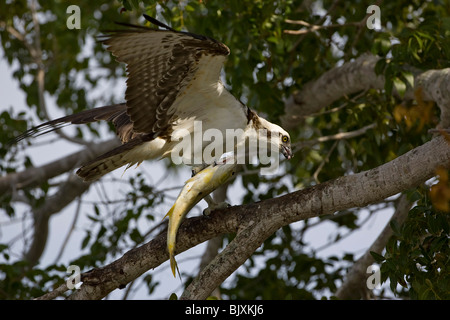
[[173, 80]]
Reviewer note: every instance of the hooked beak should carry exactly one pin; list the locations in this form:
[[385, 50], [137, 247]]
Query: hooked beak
[[287, 152]]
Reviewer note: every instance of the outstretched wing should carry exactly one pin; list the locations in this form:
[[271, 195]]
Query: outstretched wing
[[162, 65], [173, 80]]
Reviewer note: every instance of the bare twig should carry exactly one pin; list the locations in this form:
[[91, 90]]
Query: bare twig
[[292, 50], [313, 28], [439, 131], [338, 136], [325, 160], [35, 175], [59, 291], [19, 36], [69, 233], [70, 190]]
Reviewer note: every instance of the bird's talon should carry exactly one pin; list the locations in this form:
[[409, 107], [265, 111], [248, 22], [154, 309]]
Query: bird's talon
[[214, 207], [207, 212]]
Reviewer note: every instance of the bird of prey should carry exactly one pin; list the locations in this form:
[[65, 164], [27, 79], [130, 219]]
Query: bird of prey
[[194, 190], [173, 80]]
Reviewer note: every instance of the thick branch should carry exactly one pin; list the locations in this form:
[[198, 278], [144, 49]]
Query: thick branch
[[338, 136], [360, 75], [358, 190], [36, 175], [332, 85], [231, 258]]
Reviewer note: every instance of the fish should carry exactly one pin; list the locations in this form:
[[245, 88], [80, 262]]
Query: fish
[[194, 190]]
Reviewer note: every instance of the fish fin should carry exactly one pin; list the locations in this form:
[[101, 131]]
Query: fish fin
[[169, 213], [173, 262], [174, 265]]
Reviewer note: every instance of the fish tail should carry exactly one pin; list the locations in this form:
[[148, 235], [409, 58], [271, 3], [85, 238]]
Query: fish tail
[[173, 262], [174, 265], [171, 245]]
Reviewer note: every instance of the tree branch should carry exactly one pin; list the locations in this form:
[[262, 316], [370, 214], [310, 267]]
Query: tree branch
[[247, 240], [313, 27], [360, 75], [70, 190], [354, 286], [332, 85], [36, 175], [338, 136], [255, 222]]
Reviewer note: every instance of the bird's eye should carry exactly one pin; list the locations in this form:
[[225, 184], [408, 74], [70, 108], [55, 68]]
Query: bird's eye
[[285, 139]]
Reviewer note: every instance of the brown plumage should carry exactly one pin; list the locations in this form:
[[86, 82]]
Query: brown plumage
[[160, 64], [111, 160], [173, 80], [114, 113]]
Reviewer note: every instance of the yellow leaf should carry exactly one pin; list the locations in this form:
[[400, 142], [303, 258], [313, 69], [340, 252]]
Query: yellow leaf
[[440, 192]]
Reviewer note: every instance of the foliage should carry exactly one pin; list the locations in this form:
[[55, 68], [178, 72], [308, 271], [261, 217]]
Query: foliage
[[417, 255], [265, 67]]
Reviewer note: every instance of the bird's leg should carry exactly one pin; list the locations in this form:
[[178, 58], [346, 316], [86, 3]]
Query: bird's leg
[[197, 169], [213, 205]]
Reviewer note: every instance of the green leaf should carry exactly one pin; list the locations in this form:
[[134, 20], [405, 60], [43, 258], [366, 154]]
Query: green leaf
[[377, 257], [395, 228], [409, 77], [380, 66], [399, 86], [90, 217], [173, 296], [85, 241], [127, 5], [189, 8], [96, 210], [136, 236]]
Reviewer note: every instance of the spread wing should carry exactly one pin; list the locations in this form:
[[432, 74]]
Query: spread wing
[[173, 79], [170, 74]]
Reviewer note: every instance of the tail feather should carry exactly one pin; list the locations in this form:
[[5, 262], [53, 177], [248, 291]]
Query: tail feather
[[98, 168], [112, 160]]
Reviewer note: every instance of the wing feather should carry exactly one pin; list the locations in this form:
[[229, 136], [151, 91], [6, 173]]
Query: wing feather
[[161, 64], [114, 113]]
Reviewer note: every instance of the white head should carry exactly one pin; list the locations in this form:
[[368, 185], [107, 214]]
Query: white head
[[276, 136]]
